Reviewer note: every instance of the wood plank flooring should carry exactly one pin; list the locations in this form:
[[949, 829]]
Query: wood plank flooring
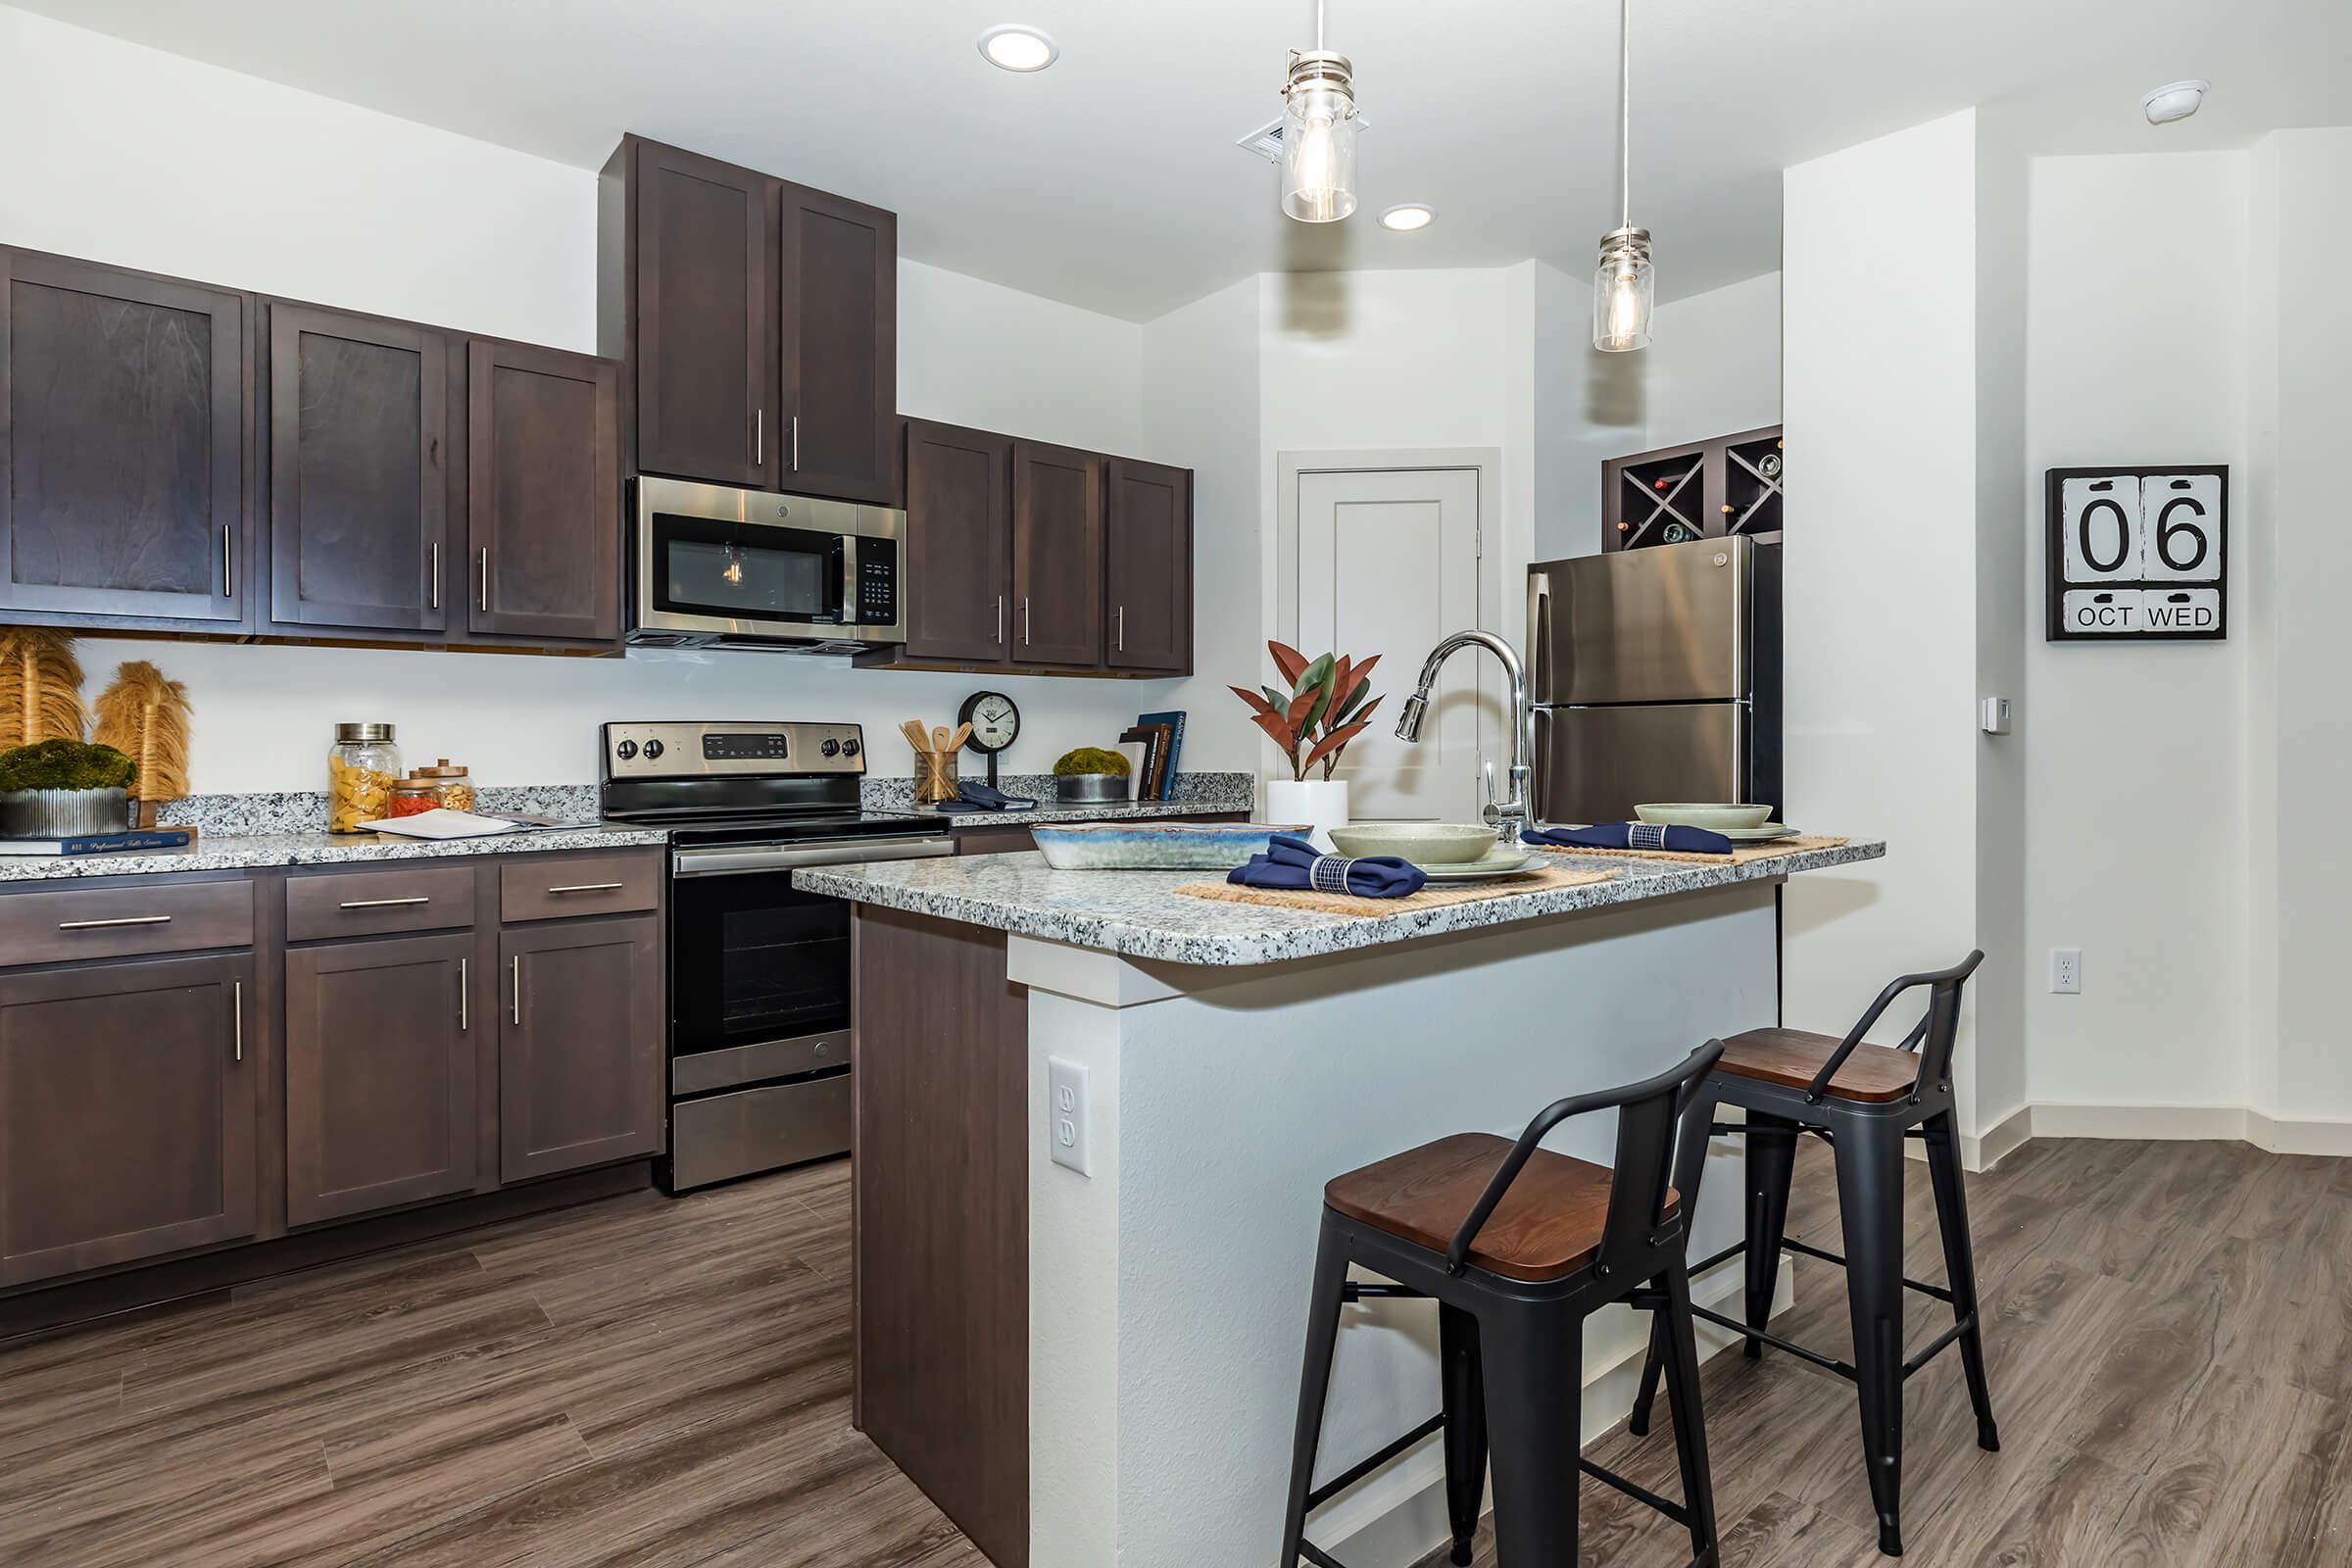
[[2169, 1336], [666, 1385]]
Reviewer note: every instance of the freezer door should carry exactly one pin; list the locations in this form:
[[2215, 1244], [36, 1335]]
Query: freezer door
[[1664, 625], [1595, 764]]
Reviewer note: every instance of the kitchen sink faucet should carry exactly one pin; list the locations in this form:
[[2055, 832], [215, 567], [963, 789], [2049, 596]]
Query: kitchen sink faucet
[[1513, 813]]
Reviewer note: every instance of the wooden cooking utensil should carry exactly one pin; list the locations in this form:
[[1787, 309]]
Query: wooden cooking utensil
[[939, 740], [912, 729], [963, 732]]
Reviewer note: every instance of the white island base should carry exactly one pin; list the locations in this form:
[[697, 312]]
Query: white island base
[[1168, 1289]]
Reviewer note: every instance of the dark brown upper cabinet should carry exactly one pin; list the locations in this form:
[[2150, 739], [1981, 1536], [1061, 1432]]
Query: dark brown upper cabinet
[[1148, 565], [957, 580], [704, 346], [124, 407], [542, 494], [359, 472], [758, 321], [129, 1095], [1057, 555], [837, 274]]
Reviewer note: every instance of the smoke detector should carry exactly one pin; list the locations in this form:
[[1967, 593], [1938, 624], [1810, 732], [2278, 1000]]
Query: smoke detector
[[2174, 100]]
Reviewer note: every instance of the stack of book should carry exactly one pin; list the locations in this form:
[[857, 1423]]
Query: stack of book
[[1161, 735], [151, 837]]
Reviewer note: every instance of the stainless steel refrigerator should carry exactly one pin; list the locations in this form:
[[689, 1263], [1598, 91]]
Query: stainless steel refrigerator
[[1657, 675]]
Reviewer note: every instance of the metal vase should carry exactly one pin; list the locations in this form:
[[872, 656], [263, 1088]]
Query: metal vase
[[63, 814], [1093, 789]]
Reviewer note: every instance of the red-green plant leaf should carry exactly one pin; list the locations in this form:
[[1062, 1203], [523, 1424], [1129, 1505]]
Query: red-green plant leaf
[[1300, 705], [1290, 661], [1361, 688], [1256, 702], [1332, 744], [1280, 732], [1319, 680], [1278, 701]]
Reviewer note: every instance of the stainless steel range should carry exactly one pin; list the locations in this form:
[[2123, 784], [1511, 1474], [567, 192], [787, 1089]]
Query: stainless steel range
[[760, 989]]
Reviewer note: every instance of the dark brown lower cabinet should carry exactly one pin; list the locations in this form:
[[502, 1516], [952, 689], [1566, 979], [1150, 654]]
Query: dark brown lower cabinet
[[580, 1032], [127, 1100], [381, 1101]]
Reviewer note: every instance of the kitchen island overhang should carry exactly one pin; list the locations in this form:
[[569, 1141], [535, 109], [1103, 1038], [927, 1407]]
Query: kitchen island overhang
[[1102, 1368]]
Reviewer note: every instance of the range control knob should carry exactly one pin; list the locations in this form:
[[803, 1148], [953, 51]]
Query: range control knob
[[849, 748], [652, 751], [831, 748], [625, 750]]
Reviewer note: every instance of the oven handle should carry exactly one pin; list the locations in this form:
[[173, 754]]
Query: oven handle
[[737, 862]]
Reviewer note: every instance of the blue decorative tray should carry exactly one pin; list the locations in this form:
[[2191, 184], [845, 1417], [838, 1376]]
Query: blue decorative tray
[[1152, 846]]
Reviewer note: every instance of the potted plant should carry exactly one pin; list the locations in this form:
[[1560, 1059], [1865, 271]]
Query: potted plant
[[60, 788], [1328, 703], [1091, 774]]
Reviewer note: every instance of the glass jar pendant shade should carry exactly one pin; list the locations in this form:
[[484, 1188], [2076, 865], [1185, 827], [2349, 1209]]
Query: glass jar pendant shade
[[1624, 290], [1318, 134]]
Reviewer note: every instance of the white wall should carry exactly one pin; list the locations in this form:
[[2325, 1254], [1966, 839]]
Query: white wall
[[1713, 364], [128, 155], [1879, 393], [2136, 357]]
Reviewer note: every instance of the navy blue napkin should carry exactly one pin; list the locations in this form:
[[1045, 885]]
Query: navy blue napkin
[[1289, 861], [971, 792], [1631, 836]]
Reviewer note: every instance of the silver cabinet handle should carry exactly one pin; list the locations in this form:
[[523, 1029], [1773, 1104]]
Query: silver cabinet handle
[[236, 1002], [465, 999], [485, 579], [228, 560], [589, 887], [433, 551], [383, 904], [1122, 619], [759, 437], [514, 967], [796, 443], [1000, 621], [1025, 621], [103, 925]]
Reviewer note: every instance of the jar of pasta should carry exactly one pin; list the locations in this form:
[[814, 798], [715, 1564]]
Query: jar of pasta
[[362, 767], [453, 786]]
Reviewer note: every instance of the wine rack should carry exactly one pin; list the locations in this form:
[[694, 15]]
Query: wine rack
[[1731, 486]]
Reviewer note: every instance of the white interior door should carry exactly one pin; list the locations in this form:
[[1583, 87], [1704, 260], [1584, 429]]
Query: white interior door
[[1389, 564]]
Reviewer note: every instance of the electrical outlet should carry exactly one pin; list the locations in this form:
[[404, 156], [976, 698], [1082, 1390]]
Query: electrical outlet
[[2065, 970], [1067, 1116]]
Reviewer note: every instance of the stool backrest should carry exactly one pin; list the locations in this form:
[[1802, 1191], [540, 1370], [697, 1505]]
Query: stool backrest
[[1650, 1114], [1933, 1037]]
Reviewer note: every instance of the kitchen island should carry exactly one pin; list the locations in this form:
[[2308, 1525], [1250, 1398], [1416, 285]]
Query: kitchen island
[[1099, 1366]]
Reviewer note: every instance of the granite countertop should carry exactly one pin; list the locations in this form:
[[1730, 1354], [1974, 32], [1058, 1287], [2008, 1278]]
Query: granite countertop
[[1051, 811], [238, 852], [1136, 914]]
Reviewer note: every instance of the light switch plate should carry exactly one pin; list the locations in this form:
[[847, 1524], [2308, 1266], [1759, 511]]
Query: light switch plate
[[1068, 1116]]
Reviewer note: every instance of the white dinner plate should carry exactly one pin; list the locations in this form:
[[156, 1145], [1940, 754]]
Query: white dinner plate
[[1506, 862], [1757, 835]]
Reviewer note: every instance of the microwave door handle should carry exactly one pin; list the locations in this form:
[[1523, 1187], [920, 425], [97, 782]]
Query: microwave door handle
[[848, 550]]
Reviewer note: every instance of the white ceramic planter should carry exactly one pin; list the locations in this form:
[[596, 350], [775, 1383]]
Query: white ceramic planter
[[1320, 803]]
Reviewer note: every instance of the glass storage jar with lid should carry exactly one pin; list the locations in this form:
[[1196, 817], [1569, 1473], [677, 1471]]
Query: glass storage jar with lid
[[454, 786], [362, 767]]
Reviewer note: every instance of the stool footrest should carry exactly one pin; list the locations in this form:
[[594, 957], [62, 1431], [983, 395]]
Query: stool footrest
[[1318, 1557], [1640, 1494], [1807, 1250], [1941, 1341], [1353, 1291], [1373, 1462], [1826, 1363]]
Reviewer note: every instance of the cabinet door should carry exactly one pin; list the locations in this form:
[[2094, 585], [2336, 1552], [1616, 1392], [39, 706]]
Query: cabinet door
[[1148, 576], [122, 444], [359, 483], [380, 1094], [1057, 555], [127, 1113], [706, 349], [580, 1045], [543, 493], [958, 550], [837, 267]]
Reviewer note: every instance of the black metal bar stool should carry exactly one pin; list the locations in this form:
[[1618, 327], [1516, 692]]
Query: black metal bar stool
[[1863, 1101], [1538, 1243]]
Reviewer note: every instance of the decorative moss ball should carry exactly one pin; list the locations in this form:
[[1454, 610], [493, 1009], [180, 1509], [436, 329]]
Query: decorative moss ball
[[63, 764], [1090, 760]]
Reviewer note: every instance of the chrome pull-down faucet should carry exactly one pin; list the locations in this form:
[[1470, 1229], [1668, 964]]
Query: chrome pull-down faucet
[[1509, 815]]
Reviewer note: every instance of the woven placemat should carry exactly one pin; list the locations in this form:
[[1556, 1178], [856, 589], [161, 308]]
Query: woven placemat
[[1434, 896], [1741, 853]]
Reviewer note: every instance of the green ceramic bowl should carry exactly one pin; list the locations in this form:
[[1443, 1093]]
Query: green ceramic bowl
[[1703, 814], [1422, 843]]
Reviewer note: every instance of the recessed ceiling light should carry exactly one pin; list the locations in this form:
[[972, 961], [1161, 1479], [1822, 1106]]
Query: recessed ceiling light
[[1014, 47], [1408, 218]]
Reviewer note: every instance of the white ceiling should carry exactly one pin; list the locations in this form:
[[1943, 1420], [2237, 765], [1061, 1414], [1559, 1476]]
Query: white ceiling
[[1112, 181]]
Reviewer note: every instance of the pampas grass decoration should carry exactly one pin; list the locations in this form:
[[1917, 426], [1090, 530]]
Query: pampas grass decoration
[[145, 717], [40, 687]]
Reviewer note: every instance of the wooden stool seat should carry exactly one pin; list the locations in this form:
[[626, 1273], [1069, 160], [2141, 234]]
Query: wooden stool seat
[[1549, 1224], [1791, 1057]]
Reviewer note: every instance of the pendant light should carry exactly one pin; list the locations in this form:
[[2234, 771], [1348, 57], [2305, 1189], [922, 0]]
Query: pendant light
[[1624, 288], [1318, 133]]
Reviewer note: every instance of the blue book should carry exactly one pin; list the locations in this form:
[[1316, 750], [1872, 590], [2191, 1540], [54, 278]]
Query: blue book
[[1175, 722], [154, 838]]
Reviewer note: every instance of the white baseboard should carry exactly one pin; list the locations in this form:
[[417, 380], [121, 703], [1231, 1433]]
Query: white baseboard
[[2177, 1123], [1399, 1517]]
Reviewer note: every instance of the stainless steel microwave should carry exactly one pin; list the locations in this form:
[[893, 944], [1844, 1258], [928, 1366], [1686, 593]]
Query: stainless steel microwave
[[716, 566]]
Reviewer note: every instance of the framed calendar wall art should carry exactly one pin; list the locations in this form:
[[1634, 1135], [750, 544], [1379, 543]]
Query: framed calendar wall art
[[2138, 555]]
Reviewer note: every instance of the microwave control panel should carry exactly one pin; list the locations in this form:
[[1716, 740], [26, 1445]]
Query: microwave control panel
[[877, 583]]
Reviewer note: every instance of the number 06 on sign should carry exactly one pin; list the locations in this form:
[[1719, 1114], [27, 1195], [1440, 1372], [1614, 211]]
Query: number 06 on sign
[[2138, 554]]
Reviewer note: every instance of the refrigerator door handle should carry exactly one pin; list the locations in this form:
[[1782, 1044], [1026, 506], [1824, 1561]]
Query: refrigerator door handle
[[1539, 635]]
